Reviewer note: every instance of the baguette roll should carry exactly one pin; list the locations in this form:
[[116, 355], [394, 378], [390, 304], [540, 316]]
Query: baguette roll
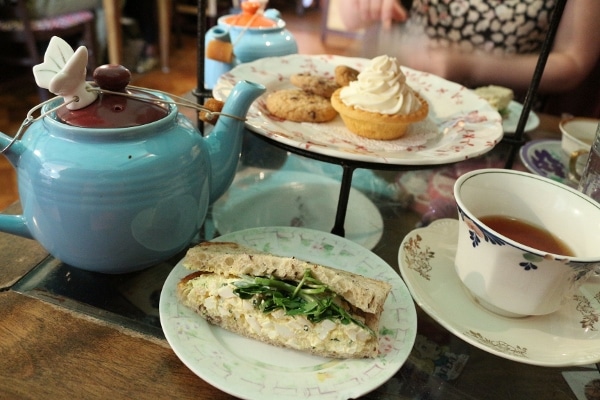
[[209, 291]]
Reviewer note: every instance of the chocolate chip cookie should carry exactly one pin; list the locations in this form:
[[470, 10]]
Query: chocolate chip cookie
[[300, 106], [319, 85], [344, 75]]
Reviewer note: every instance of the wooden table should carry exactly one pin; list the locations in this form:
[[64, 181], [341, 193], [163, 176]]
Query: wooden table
[[50, 352]]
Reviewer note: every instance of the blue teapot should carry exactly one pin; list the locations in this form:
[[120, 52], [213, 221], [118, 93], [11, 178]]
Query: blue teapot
[[124, 182], [245, 37]]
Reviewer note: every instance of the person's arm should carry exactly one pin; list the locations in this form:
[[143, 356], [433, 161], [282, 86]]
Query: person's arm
[[574, 54], [576, 47], [356, 14]]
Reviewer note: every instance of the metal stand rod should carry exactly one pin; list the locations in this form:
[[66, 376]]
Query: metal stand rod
[[340, 215], [517, 140], [201, 33], [348, 167], [200, 92]]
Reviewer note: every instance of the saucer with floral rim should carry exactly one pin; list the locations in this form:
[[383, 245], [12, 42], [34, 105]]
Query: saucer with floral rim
[[545, 157], [567, 337]]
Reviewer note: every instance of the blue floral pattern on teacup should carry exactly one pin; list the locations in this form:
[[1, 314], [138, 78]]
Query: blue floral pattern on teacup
[[528, 265], [476, 232]]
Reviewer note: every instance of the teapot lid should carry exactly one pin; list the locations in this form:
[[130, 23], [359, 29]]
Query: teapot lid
[[250, 17], [117, 106], [109, 103]]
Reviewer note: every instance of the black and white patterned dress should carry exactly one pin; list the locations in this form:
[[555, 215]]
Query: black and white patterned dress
[[496, 26]]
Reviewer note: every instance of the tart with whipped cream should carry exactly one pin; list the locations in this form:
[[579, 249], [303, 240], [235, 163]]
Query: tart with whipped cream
[[379, 104]]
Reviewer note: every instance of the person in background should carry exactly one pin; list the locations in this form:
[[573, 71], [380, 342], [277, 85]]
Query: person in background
[[145, 15], [483, 42]]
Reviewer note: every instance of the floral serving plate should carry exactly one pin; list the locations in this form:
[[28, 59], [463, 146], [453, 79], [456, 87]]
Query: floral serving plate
[[460, 124], [253, 370], [567, 337]]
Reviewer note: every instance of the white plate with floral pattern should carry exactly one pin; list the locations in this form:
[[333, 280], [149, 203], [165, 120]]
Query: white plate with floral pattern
[[567, 337], [460, 124], [253, 370], [293, 198]]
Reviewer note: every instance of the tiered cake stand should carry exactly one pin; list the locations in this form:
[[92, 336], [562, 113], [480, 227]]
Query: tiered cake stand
[[349, 164]]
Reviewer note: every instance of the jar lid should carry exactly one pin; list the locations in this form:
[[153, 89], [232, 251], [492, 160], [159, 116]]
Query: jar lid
[[251, 17], [123, 108]]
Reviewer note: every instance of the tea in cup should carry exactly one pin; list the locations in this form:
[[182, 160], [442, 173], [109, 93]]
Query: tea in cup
[[525, 243]]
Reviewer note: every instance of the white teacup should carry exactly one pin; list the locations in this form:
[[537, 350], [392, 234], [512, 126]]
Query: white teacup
[[577, 136], [511, 278]]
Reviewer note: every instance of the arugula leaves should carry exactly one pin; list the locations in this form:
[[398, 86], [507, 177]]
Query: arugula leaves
[[309, 297]]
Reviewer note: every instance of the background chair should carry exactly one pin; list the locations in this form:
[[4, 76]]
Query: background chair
[[24, 38]]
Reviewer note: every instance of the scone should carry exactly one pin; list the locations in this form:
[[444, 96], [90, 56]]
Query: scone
[[300, 106], [379, 104]]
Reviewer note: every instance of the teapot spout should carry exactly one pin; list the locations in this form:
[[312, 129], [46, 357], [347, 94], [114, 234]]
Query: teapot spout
[[225, 140], [11, 148]]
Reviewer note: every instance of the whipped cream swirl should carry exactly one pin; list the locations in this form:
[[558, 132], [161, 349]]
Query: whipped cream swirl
[[381, 87]]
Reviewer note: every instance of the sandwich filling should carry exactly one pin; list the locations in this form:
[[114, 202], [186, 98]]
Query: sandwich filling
[[299, 315]]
